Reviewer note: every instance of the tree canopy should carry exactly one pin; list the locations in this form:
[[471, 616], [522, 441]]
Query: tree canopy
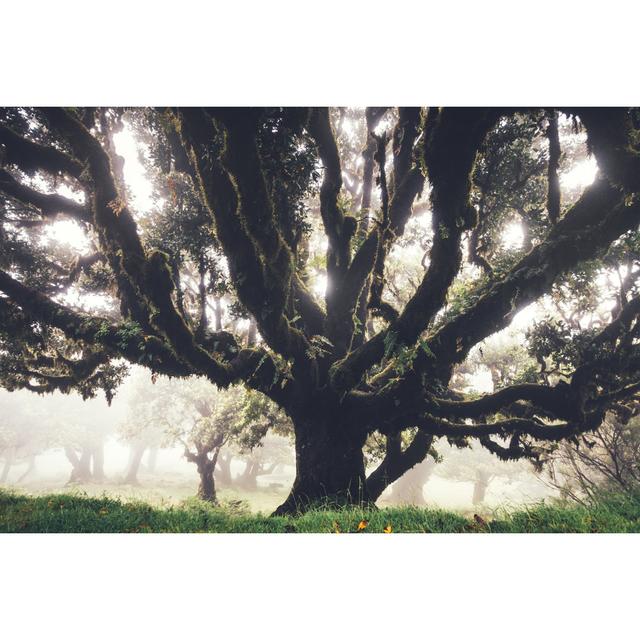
[[253, 207]]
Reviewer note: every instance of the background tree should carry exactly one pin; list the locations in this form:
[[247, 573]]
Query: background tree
[[23, 436], [478, 467], [409, 488], [353, 364], [265, 458], [146, 423], [55, 423], [203, 422], [606, 460]]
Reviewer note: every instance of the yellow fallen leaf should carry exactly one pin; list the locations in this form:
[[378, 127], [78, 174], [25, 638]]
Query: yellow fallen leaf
[[362, 525], [388, 529]]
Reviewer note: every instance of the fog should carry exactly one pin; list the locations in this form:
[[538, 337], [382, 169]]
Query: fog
[[39, 435]]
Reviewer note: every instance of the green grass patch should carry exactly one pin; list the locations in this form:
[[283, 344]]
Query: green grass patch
[[77, 513]]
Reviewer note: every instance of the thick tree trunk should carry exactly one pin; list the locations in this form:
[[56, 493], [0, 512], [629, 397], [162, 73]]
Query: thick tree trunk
[[330, 469], [207, 487]]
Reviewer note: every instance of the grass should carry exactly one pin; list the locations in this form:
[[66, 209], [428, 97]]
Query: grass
[[76, 513]]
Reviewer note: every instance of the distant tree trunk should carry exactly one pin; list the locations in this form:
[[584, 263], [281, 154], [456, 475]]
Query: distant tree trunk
[[31, 465], [8, 463], [253, 469], [217, 312], [137, 451], [249, 478], [207, 487], [409, 489], [223, 468], [98, 463], [84, 468], [553, 180], [152, 459], [480, 487], [80, 465]]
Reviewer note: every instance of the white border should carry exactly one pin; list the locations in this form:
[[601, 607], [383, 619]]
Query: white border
[[319, 586], [330, 52]]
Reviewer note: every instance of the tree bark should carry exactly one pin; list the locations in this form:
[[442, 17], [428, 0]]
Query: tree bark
[[330, 468], [207, 487], [397, 463]]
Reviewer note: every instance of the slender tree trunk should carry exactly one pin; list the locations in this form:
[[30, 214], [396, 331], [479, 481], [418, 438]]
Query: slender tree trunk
[[553, 189], [480, 487], [137, 452], [330, 467], [218, 313], [98, 462], [249, 477], [31, 465], [8, 463], [152, 459]]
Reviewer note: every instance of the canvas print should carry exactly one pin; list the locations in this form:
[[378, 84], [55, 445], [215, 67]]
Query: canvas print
[[319, 319]]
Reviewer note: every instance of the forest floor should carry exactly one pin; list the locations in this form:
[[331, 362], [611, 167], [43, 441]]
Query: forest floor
[[76, 513], [161, 490]]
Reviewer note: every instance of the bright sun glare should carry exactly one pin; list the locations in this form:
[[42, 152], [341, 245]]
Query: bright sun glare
[[581, 175]]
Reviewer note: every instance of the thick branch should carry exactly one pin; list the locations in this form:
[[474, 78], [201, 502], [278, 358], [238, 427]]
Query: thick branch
[[48, 204], [598, 218], [397, 462], [610, 135], [31, 157], [262, 287], [453, 139]]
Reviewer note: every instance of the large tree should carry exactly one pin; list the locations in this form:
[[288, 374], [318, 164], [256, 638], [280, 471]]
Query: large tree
[[354, 363]]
